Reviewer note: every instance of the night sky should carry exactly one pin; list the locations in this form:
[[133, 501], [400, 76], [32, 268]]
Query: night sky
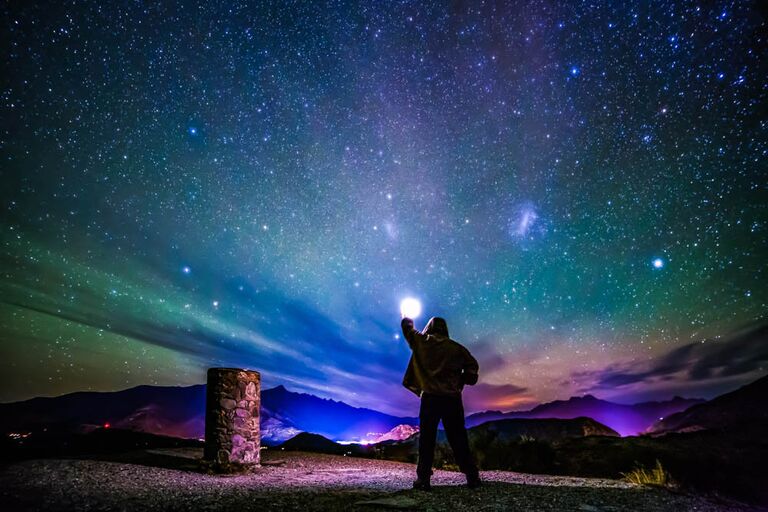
[[578, 188]]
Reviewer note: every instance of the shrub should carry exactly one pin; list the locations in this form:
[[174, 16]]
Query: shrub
[[656, 476]]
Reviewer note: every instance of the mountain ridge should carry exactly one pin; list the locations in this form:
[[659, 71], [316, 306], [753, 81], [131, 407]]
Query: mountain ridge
[[490, 436], [745, 405], [626, 419], [179, 411]]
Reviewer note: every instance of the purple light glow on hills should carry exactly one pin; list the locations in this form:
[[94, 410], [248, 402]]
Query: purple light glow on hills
[[627, 420], [179, 412]]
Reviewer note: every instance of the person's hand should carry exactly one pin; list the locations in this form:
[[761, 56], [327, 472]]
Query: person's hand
[[468, 378], [406, 323]]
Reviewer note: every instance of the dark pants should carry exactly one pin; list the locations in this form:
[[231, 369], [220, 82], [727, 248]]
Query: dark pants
[[449, 409]]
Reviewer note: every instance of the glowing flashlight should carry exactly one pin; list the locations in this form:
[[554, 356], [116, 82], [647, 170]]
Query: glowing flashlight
[[410, 307]]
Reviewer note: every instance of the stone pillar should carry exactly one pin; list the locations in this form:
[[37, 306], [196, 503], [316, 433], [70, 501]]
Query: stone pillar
[[232, 431]]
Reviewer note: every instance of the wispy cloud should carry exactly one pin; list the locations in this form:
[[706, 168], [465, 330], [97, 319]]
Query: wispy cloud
[[739, 356], [258, 327]]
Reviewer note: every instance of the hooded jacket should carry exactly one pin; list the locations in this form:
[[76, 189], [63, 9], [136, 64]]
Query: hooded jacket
[[438, 364]]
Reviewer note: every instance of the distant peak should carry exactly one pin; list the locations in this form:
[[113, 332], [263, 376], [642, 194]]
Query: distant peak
[[279, 388]]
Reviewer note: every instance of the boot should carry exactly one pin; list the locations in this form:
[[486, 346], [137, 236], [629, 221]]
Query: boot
[[422, 484]]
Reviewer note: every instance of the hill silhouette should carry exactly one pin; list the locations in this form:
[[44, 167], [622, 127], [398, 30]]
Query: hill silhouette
[[624, 419], [180, 412], [746, 406]]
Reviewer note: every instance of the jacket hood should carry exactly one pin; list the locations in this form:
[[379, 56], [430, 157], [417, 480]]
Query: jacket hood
[[436, 325]]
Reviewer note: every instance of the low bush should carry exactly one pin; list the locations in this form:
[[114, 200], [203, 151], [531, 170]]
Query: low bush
[[655, 476]]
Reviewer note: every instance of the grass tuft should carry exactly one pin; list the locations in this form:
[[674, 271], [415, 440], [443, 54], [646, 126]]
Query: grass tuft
[[657, 476]]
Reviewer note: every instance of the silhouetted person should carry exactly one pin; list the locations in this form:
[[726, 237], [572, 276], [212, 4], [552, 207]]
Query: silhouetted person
[[437, 372]]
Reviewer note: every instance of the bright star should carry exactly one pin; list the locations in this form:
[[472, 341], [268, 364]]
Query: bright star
[[192, 130], [658, 263], [186, 269]]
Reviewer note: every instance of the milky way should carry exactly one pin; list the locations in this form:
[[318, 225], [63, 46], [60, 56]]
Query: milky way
[[579, 189]]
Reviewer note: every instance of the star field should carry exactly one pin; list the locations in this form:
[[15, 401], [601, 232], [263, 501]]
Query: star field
[[576, 187]]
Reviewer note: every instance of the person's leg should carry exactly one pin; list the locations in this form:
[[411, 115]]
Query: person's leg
[[429, 417], [453, 422]]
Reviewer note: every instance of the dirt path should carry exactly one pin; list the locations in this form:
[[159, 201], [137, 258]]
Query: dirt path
[[167, 480]]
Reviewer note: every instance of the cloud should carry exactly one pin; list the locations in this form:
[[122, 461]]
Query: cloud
[[739, 355], [488, 356], [483, 397]]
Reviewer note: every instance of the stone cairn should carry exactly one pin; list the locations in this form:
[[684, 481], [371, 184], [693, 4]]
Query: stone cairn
[[232, 431]]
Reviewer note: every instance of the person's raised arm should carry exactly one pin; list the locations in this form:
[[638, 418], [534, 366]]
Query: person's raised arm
[[411, 335], [470, 369]]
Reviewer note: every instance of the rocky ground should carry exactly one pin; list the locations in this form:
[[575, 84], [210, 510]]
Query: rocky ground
[[171, 479]]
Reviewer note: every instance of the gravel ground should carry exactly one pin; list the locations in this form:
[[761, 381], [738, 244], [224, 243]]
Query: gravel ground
[[170, 480]]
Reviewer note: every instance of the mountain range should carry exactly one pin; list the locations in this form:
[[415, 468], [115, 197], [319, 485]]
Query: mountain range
[[497, 432], [627, 420], [746, 406], [179, 412]]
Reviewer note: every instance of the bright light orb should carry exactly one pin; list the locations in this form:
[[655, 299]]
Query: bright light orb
[[410, 307], [658, 263]]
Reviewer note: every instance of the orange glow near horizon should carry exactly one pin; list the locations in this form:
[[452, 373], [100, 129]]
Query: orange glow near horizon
[[513, 402]]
